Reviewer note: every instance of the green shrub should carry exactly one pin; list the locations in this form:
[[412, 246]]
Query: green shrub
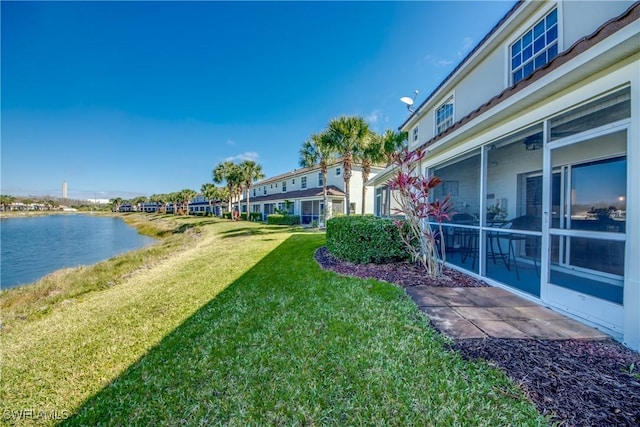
[[279, 219], [364, 239], [226, 215], [254, 216]]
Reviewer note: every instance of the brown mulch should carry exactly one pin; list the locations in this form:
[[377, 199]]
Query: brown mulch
[[574, 382]]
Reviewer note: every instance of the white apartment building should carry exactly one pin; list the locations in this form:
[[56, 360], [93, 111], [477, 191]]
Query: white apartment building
[[300, 191], [536, 135]]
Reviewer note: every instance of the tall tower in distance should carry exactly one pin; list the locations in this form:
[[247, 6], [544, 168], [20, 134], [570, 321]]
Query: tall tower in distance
[[64, 189]]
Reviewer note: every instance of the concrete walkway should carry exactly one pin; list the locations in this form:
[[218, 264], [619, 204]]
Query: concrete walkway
[[463, 313]]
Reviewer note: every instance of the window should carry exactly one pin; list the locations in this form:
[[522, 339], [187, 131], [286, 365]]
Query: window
[[444, 116], [535, 48], [264, 190], [254, 192], [303, 182], [284, 186], [415, 134], [320, 181], [338, 171], [276, 185], [293, 181]]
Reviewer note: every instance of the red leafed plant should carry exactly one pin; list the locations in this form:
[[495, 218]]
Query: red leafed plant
[[411, 192]]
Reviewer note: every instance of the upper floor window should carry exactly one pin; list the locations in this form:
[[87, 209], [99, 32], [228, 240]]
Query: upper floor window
[[284, 186], [264, 189], [338, 171], [320, 181], [444, 116], [303, 182], [537, 47], [254, 192], [415, 134], [293, 181]]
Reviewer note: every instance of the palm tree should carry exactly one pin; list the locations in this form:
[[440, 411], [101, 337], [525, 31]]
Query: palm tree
[[185, 197], [250, 171], [318, 151], [137, 201], [371, 153], [161, 199], [209, 191], [227, 172], [347, 136], [115, 203], [393, 142], [174, 198]]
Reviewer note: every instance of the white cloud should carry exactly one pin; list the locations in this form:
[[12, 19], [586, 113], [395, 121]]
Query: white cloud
[[247, 155], [230, 142], [467, 44], [444, 62], [373, 117]]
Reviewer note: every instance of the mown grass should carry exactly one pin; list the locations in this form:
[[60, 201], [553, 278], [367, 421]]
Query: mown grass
[[246, 329]]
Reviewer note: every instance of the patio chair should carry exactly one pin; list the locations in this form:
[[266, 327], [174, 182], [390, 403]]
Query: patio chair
[[524, 222]]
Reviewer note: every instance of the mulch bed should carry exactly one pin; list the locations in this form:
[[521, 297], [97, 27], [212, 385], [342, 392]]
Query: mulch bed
[[574, 382]]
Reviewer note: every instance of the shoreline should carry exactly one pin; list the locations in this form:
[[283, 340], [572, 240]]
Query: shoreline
[[71, 282]]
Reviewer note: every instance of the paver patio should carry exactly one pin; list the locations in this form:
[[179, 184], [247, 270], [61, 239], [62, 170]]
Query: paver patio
[[463, 313]]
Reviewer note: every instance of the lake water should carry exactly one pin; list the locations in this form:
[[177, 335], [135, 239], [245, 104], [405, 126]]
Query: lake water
[[32, 247]]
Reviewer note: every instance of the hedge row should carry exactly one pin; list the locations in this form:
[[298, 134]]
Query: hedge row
[[279, 219], [254, 216], [364, 239]]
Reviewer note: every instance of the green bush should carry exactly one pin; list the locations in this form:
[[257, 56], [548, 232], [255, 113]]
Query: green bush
[[279, 219], [364, 239], [254, 216]]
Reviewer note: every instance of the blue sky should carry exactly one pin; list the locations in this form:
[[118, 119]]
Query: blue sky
[[135, 98]]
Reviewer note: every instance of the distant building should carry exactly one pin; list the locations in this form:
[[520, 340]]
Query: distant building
[[64, 189]]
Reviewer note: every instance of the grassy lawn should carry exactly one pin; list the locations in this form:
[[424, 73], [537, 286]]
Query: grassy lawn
[[244, 328]]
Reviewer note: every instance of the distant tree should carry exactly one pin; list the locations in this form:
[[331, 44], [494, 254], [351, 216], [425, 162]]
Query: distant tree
[[6, 201], [174, 199], [51, 204], [214, 195], [371, 153], [137, 201], [115, 203], [317, 150], [250, 171], [228, 173], [185, 196], [348, 135]]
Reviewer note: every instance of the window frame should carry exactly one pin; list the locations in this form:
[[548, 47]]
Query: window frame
[[303, 182], [448, 119], [540, 45]]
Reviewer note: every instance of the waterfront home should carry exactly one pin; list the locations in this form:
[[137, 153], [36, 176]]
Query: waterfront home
[[536, 136], [299, 192]]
